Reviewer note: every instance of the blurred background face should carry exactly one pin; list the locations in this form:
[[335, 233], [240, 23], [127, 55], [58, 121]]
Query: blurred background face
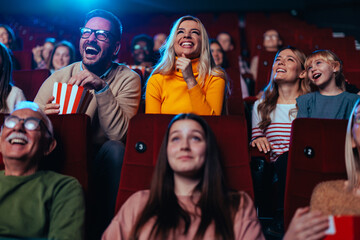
[[61, 57], [159, 40], [225, 41], [4, 37], [46, 51], [217, 54], [271, 41], [141, 52]]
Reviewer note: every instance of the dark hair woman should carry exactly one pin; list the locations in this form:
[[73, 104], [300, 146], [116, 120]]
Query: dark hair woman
[[188, 198], [9, 94]]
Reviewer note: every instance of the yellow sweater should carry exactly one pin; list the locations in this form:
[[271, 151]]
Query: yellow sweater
[[169, 94]]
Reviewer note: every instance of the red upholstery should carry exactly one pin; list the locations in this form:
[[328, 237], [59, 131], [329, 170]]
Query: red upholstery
[[326, 137], [24, 58], [30, 81], [138, 167], [73, 150], [264, 70]]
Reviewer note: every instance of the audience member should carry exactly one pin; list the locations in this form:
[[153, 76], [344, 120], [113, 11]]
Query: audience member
[[272, 43], [159, 41], [342, 197], [186, 78], [227, 44], [41, 54], [274, 112], [324, 70], [62, 55], [188, 198], [7, 37], [10, 95], [218, 54], [226, 41], [116, 95], [143, 55], [35, 203]]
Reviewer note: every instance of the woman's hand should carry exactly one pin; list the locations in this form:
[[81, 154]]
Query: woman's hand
[[184, 64], [307, 225], [262, 144]]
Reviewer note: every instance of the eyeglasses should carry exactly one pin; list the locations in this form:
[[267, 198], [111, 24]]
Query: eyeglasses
[[138, 47], [268, 37], [30, 123], [100, 35]]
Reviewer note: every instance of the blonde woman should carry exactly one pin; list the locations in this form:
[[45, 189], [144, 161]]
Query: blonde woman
[[186, 78]]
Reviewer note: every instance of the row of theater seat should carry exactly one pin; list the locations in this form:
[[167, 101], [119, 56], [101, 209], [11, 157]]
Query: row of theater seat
[[316, 153]]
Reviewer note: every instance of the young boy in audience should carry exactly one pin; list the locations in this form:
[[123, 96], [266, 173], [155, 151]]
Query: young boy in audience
[[324, 70]]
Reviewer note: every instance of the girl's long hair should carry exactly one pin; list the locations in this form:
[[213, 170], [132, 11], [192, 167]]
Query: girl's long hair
[[206, 67], [5, 77], [215, 203], [271, 92], [352, 154]]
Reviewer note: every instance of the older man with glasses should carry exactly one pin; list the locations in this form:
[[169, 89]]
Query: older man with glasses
[[35, 203], [116, 94]]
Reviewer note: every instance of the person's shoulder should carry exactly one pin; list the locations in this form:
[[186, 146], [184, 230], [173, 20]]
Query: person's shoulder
[[57, 179], [327, 187], [139, 196], [15, 90], [69, 70], [306, 97], [351, 96], [123, 69]]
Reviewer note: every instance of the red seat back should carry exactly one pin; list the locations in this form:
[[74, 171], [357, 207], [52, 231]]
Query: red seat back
[[30, 81], [73, 136], [266, 60], [24, 58], [137, 169], [316, 154]]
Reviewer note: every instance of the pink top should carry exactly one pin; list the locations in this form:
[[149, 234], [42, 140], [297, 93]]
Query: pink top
[[246, 224]]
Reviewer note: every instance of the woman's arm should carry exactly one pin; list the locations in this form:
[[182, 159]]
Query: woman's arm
[[153, 95]]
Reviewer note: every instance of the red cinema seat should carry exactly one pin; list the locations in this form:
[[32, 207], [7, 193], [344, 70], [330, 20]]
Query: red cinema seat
[[316, 154], [70, 157], [148, 131], [24, 58], [264, 70], [30, 81]]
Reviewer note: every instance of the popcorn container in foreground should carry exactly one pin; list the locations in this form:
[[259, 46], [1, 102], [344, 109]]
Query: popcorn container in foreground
[[72, 98]]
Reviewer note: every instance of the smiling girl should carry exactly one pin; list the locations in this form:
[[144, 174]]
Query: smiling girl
[[188, 197], [186, 78], [324, 70]]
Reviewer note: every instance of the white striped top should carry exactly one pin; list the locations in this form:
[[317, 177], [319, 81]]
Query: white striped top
[[278, 132]]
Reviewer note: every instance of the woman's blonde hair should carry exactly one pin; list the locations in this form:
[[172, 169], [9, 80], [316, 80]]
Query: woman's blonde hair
[[206, 67], [271, 92], [352, 154], [331, 58]]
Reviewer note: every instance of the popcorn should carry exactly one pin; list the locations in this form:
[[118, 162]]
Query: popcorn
[[72, 98]]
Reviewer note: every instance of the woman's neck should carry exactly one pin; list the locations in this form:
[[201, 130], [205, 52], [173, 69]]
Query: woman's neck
[[288, 93], [184, 186]]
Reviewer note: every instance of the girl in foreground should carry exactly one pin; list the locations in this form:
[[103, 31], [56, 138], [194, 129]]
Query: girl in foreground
[[188, 198]]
